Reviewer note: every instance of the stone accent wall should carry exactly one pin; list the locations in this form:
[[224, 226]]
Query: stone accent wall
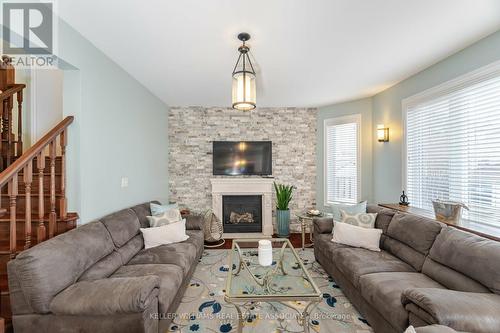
[[192, 130]]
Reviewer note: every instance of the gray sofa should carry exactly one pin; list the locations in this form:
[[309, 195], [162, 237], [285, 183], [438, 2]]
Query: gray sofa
[[99, 278], [427, 273]]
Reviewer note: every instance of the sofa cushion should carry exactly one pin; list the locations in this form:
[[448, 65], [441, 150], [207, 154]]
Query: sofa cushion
[[50, 267], [142, 211], [103, 268], [383, 292], [450, 278], [472, 255], [417, 232], [181, 254], [356, 262], [409, 237], [384, 216], [171, 277], [131, 248], [404, 252], [122, 225]]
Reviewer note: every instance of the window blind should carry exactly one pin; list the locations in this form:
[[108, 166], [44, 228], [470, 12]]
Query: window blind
[[453, 149], [342, 160]]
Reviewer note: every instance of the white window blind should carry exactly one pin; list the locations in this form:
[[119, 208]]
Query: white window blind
[[342, 159], [453, 146]]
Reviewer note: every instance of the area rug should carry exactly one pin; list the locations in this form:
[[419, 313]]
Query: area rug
[[203, 308]]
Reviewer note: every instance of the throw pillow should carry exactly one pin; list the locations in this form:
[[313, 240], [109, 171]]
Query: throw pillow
[[357, 236], [410, 329], [365, 220], [170, 216], [166, 234], [350, 209], [157, 210]]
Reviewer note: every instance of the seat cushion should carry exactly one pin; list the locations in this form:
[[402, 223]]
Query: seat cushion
[[383, 292], [171, 277], [182, 254], [356, 262]]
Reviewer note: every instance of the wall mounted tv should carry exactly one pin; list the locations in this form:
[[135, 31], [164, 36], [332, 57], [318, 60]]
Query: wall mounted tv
[[234, 158]]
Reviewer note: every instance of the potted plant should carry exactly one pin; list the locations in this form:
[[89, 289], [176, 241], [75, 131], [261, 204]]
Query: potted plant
[[283, 198]]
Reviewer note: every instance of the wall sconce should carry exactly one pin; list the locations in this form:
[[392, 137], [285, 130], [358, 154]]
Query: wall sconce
[[382, 133]]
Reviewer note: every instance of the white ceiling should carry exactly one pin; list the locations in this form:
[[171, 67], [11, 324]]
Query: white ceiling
[[308, 52]]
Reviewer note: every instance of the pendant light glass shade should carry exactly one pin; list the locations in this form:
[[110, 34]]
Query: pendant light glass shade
[[244, 97], [244, 89]]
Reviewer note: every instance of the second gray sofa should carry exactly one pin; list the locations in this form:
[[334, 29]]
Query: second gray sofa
[[427, 273], [99, 278]]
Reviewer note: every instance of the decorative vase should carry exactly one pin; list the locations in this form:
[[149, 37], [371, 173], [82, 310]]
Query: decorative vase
[[283, 222]]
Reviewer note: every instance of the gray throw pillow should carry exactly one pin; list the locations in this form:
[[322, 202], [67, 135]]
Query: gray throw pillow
[[365, 220]]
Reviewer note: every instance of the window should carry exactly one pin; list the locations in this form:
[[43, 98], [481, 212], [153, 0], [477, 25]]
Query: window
[[342, 162], [453, 145]]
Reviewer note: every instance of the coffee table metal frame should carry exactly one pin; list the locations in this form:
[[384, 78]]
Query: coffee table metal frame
[[313, 299]]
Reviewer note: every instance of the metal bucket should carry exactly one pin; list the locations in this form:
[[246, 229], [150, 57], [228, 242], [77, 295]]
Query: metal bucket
[[448, 211]]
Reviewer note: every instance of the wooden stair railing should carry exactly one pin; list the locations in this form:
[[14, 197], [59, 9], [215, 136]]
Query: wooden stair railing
[[11, 147], [23, 166]]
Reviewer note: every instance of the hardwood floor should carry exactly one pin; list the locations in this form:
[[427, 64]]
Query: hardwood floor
[[295, 239]]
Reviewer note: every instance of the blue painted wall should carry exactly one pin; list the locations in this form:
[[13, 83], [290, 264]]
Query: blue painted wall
[[382, 163], [120, 131]]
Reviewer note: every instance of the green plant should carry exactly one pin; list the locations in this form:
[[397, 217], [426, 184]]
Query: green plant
[[284, 194]]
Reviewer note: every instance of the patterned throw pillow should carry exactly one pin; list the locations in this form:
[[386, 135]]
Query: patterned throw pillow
[[350, 209], [169, 217], [365, 220], [157, 210]]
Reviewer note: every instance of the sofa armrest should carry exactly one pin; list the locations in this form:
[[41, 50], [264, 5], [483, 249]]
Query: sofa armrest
[[194, 222], [107, 296], [463, 311], [323, 225]]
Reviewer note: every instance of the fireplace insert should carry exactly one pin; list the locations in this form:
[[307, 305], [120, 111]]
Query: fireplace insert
[[242, 213]]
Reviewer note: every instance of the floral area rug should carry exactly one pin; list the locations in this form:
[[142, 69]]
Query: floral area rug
[[203, 308]]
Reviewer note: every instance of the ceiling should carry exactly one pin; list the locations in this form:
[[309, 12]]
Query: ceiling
[[308, 53]]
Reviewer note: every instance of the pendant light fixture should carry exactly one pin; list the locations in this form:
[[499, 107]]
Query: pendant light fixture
[[244, 89]]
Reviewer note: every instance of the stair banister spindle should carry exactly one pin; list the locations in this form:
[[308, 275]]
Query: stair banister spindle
[[52, 214], [41, 233], [12, 191], [63, 204], [28, 179], [19, 151]]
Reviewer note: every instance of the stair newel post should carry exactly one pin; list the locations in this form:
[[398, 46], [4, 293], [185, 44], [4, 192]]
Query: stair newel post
[[63, 203], [52, 214], [19, 123], [41, 233], [12, 190], [28, 179]]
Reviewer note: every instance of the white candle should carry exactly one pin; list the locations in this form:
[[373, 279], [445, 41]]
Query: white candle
[[265, 253]]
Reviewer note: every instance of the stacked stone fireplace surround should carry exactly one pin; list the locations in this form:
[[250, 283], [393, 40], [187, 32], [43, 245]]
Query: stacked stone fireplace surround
[[193, 129]]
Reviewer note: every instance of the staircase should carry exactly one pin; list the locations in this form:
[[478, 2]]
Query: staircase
[[33, 200]]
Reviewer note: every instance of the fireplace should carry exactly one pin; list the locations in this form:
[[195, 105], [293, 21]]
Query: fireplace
[[242, 213]]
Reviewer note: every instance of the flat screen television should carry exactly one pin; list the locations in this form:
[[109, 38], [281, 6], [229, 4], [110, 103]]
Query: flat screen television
[[234, 158]]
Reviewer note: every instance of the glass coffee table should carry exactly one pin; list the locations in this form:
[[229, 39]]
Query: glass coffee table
[[285, 281]]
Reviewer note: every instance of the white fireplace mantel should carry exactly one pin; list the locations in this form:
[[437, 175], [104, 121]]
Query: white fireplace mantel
[[245, 186]]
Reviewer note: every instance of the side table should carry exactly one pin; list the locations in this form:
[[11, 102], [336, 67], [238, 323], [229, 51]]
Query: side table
[[305, 220]]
